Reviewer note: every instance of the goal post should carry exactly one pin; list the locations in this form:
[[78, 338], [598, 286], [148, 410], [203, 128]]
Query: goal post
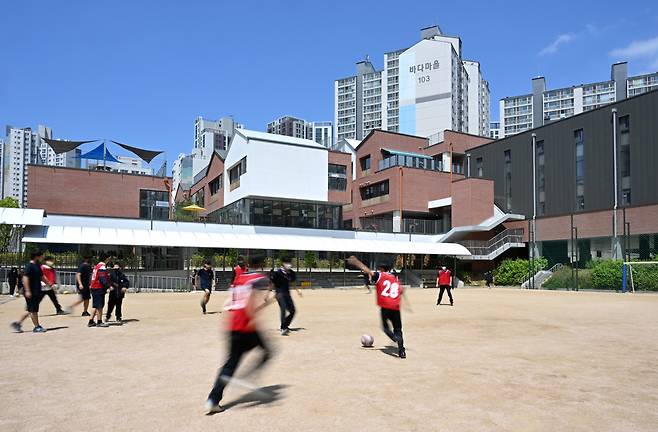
[[630, 277]]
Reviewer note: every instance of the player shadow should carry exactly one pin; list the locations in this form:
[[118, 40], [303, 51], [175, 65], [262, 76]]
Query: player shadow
[[390, 350], [213, 312], [56, 328], [261, 396], [296, 329], [130, 320]]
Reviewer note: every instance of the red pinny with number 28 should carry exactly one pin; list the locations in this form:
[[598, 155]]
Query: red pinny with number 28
[[389, 291]]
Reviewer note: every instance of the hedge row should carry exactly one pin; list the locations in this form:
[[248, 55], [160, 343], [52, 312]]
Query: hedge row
[[606, 275]]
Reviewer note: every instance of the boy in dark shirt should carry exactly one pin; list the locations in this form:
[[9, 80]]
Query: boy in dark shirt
[[281, 279], [33, 295], [120, 285], [205, 279], [83, 280]]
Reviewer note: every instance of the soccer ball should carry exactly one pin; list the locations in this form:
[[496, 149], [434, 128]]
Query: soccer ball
[[367, 341]]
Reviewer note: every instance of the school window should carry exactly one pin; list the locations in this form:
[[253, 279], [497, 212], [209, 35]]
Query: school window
[[508, 180], [147, 204], [374, 190], [478, 167], [236, 172], [541, 180], [580, 169], [337, 177], [365, 163], [625, 159], [216, 184]]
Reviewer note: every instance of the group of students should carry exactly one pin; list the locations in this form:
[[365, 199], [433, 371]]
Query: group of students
[[40, 279], [279, 281], [249, 294]]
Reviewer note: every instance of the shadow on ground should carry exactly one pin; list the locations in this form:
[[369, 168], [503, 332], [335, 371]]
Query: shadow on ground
[[261, 396]]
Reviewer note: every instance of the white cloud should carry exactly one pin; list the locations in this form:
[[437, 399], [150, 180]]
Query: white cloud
[[554, 46], [637, 49]]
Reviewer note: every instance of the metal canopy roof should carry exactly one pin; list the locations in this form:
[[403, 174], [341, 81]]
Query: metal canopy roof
[[21, 216], [137, 232], [403, 153]]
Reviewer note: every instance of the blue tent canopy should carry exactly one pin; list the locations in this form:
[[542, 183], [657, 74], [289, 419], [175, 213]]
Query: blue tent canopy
[[99, 153]]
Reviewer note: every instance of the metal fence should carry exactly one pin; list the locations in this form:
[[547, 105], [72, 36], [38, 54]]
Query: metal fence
[[138, 281]]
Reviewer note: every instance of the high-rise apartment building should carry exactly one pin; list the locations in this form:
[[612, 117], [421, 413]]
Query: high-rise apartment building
[[210, 135], [422, 90], [20, 149], [494, 130], [289, 126], [542, 106], [321, 132]]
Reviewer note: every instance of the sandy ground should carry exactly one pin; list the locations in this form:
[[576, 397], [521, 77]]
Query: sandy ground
[[500, 360]]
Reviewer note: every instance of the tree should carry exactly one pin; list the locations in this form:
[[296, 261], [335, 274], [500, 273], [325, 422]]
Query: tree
[[6, 230], [309, 259], [181, 215]]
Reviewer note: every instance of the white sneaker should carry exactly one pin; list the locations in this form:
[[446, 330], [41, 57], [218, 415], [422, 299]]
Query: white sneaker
[[213, 408]]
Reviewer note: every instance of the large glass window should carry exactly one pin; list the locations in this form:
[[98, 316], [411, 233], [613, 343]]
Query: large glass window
[[267, 212], [147, 203], [625, 159], [508, 179], [374, 190], [541, 180], [337, 177], [580, 169], [478, 167]]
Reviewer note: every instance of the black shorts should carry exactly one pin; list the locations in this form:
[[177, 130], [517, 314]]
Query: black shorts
[[394, 317], [85, 293], [209, 289], [32, 303], [98, 298]]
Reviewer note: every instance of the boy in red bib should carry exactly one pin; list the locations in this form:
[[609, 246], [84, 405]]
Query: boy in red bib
[[389, 294], [244, 302]]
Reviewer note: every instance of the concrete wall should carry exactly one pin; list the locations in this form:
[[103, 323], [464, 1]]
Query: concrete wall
[[277, 170]]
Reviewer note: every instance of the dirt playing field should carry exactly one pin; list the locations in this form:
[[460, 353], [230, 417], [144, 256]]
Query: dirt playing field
[[499, 360]]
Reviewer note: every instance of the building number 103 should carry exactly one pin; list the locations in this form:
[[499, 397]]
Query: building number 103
[[423, 79]]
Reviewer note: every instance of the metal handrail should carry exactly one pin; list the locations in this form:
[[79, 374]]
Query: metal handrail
[[489, 246]]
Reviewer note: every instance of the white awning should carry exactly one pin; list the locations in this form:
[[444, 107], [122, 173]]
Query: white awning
[[135, 232], [21, 216]]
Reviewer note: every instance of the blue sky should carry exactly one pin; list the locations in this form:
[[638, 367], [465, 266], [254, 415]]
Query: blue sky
[[139, 72]]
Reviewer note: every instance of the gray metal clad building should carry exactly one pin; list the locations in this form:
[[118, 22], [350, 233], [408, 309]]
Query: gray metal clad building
[[637, 140]]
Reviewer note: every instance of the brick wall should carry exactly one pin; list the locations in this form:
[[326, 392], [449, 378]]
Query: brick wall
[[89, 193], [472, 201], [216, 201], [341, 197], [643, 220]]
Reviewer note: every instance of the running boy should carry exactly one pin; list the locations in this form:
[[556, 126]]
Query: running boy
[[100, 281], [389, 293], [50, 275], [32, 279], [205, 279], [248, 295], [281, 279]]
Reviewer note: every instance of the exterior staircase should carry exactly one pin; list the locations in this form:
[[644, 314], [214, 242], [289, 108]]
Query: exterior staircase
[[486, 250], [541, 276]]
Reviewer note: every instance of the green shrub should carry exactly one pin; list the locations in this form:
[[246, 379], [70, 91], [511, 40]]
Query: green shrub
[[515, 271], [645, 277], [561, 279], [607, 275]]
